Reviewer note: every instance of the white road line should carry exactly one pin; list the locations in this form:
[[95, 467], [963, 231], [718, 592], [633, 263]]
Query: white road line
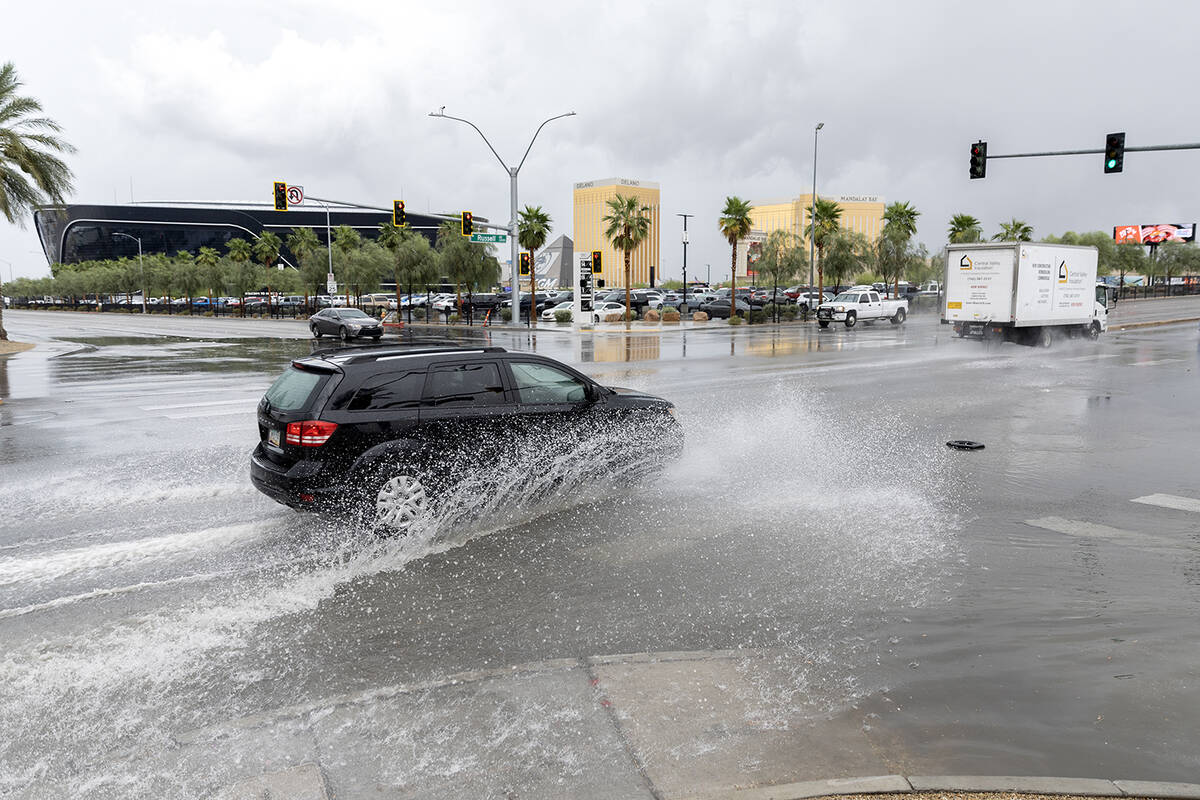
[[1170, 501], [213, 412], [1091, 530], [200, 404], [1095, 356], [1156, 362]]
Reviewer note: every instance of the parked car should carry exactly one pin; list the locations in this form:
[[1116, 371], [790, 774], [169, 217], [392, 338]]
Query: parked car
[[344, 323], [386, 433], [548, 314], [719, 308], [606, 308], [809, 300]]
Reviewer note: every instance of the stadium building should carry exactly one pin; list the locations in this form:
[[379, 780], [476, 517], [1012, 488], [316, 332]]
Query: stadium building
[[74, 233]]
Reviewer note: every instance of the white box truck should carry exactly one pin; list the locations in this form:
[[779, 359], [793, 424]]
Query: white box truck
[[1023, 292]]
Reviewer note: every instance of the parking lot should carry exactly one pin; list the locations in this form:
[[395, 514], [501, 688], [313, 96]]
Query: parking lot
[[819, 587]]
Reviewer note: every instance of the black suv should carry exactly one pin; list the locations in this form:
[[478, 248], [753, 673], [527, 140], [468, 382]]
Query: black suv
[[386, 431]]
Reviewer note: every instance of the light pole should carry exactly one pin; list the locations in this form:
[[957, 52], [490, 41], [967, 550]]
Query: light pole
[[10, 269], [812, 217], [512, 222], [329, 246], [141, 265], [685, 243]]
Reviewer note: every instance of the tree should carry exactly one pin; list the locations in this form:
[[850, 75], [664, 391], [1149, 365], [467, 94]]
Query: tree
[[782, 259], [311, 258], [1015, 231], [467, 263], [628, 222], [964, 229], [266, 250], [212, 273], [243, 276], [345, 241], [365, 265], [533, 228], [846, 254], [414, 261], [1177, 258], [1130, 257], [899, 226], [184, 276], [734, 224], [31, 174], [827, 216]]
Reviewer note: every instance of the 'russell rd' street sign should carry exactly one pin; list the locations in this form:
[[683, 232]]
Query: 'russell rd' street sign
[[490, 238]]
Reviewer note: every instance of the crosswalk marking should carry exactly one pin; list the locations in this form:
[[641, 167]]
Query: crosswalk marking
[[1170, 501], [1092, 530]]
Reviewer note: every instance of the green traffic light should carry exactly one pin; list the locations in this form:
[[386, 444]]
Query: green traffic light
[[1112, 162]]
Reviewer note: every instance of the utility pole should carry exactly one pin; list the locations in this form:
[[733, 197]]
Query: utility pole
[[685, 244]]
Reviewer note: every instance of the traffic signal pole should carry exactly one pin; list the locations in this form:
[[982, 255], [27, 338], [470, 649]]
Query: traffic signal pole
[[1093, 151]]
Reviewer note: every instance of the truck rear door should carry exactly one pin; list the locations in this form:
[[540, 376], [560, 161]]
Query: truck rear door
[[874, 306]]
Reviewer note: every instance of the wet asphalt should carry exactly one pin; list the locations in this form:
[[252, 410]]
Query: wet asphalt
[[1028, 608]]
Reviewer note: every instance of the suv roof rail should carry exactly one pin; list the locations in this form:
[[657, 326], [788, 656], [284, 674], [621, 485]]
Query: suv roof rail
[[360, 355]]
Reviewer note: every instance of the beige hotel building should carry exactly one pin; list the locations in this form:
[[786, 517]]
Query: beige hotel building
[[860, 213], [590, 202]]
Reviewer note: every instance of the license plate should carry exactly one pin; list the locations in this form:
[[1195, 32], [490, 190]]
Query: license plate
[[273, 436]]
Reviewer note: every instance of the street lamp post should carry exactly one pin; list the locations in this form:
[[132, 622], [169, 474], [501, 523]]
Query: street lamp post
[[141, 265], [685, 244], [10, 269], [512, 221], [812, 216]]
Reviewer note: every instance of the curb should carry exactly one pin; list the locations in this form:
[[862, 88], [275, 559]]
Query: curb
[[900, 784], [1154, 323]]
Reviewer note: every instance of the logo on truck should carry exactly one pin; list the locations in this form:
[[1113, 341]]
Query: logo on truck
[[1062, 272], [965, 263]]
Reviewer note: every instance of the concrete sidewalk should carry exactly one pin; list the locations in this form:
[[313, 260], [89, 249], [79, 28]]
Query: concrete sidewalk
[[663, 726]]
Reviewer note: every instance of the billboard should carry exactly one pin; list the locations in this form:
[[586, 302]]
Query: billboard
[[1155, 234]]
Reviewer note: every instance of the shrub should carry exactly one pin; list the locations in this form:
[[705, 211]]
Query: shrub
[[757, 316], [613, 316], [735, 320], [699, 316], [562, 316], [454, 318], [506, 314]]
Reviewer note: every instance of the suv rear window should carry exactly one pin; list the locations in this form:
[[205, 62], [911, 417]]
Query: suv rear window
[[390, 391], [294, 389]]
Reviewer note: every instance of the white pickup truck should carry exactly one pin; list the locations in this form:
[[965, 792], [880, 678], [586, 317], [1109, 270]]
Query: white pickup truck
[[861, 304]]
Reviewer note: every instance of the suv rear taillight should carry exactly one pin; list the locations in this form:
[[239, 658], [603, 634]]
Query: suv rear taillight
[[310, 433]]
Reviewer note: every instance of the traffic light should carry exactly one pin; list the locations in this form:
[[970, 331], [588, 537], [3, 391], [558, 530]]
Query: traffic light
[[596, 262], [525, 259], [1114, 152], [468, 223], [978, 160], [398, 218], [281, 203]]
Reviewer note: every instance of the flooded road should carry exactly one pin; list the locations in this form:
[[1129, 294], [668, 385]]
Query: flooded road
[[818, 559]]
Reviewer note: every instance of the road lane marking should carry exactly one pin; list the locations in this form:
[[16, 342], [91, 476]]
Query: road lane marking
[[1092, 530], [213, 412], [1156, 362], [200, 404], [1170, 501], [1095, 356]]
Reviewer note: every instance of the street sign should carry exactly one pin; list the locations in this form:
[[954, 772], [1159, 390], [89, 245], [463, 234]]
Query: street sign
[[295, 195], [490, 238], [330, 284]]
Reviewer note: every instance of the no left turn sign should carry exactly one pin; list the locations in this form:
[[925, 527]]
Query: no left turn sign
[[295, 195]]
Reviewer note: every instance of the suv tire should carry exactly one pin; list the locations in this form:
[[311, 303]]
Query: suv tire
[[398, 501]]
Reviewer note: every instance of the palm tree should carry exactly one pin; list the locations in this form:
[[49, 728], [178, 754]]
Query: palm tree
[[1015, 231], [899, 225], [628, 226], [826, 219], [735, 224], [533, 229], [964, 229], [245, 276], [305, 245], [209, 262], [30, 172], [901, 216], [266, 249]]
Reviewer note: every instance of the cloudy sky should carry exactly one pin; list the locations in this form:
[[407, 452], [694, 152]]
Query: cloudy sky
[[213, 100]]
